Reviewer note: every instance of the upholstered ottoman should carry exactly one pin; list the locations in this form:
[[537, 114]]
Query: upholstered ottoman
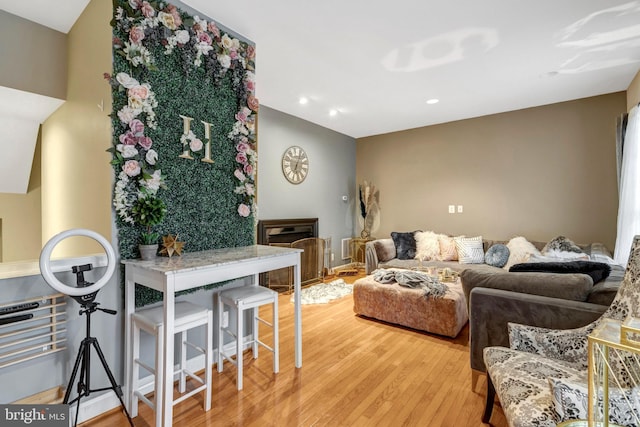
[[411, 307]]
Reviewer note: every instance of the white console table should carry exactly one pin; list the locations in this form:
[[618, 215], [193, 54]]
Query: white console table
[[193, 270]]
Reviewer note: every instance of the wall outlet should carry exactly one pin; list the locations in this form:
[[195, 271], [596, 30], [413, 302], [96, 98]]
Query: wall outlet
[[332, 257], [225, 319], [459, 208], [452, 209]]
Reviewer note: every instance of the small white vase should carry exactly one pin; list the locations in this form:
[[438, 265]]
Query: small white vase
[[148, 252]]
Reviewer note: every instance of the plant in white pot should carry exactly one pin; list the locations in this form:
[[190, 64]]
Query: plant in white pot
[[148, 212]]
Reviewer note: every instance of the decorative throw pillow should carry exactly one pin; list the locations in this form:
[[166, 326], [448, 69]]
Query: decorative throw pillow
[[405, 244], [448, 251], [497, 255], [561, 244], [470, 250], [427, 245], [385, 249], [570, 402], [520, 249]]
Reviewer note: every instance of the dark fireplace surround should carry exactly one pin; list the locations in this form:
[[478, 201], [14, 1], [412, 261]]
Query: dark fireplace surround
[[282, 232]]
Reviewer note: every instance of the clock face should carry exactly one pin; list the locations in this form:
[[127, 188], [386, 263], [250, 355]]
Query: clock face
[[295, 164]]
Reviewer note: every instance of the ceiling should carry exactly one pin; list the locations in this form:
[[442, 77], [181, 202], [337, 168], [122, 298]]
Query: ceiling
[[377, 62]]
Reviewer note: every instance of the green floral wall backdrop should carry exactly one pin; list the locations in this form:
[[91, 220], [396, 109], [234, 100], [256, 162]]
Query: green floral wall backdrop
[[181, 87]]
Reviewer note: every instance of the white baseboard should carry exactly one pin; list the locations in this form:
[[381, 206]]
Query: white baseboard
[[95, 406]]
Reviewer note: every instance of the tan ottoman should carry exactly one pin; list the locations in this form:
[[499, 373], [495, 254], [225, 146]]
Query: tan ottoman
[[410, 307]]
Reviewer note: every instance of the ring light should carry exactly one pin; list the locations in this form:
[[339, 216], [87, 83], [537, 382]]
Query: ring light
[[45, 263]]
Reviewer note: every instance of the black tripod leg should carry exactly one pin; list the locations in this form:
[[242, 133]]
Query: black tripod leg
[[79, 358], [116, 388]]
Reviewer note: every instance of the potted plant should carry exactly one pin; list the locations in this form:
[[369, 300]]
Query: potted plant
[[148, 212]]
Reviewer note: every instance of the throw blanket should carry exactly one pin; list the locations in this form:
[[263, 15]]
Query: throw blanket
[[597, 270], [411, 279]]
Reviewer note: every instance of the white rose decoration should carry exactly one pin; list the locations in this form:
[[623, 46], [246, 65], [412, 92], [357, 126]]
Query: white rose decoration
[[126, 114], [126, 80], [128, 151], [224, 60], [182, 36], [151, 157]]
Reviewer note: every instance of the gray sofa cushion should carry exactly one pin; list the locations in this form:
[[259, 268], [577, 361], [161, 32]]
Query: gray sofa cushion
[[385, 249], [574, 287]]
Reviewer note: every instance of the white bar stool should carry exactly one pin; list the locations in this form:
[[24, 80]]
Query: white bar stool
[[241, 299], [187, 316]]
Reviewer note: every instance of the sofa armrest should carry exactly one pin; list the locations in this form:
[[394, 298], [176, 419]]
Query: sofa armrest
[[574, 287], [370, 258], [377, 251], [491, 310]]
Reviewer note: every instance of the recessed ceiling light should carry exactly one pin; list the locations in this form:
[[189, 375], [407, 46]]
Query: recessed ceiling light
[[303, 100], [433, 101], [333, 112]]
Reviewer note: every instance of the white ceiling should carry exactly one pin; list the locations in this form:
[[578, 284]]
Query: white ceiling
[[378, 61]]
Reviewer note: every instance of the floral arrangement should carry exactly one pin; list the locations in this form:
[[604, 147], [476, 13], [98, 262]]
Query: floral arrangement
[[369, 197], [200, 44]]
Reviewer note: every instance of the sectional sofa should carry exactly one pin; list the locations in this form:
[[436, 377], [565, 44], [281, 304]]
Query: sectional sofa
[[494, 296]]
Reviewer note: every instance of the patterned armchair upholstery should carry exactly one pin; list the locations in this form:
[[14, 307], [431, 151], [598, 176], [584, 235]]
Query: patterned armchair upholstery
[[539, 357]]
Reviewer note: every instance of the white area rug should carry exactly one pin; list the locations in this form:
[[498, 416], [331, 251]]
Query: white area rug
[[322, 293]]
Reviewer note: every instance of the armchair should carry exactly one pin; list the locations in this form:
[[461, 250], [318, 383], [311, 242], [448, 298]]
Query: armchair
[[542, 367]]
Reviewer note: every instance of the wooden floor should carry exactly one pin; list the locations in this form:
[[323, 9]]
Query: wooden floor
[[356, 372]]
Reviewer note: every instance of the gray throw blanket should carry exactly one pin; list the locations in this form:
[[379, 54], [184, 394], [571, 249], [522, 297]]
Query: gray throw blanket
[[411, 279]]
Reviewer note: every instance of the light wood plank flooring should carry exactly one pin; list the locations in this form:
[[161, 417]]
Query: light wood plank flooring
[[356, 372]]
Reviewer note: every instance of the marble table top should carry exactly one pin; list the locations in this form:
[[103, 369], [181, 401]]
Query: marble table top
[[190, 261]]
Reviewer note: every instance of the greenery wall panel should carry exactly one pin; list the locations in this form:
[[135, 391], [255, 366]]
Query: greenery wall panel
[[202, 199]]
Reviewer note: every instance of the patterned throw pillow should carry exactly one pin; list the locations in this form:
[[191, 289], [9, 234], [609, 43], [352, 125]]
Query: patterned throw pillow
[[427, 245], [448, 251], [570, 402], [470, 250], [405, 244], [561, 244]]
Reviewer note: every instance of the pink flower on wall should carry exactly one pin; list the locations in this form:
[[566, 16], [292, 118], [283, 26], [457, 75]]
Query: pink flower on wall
[[137, 127], [131, 168], [244, 210], [128, 138], [253, 103], [136, 35], [138, 91], [241, 158], [147, 10], [145, 142]]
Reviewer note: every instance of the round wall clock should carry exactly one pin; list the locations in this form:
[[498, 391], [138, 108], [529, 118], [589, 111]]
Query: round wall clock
[[295, 164]]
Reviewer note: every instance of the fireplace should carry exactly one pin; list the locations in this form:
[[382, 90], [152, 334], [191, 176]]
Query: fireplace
[[284, 232]]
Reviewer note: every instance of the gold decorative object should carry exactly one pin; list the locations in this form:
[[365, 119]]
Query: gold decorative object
[[170, 245], [612, 344]]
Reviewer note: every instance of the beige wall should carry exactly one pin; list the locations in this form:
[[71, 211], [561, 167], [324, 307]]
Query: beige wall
[[20, 214], [538, 172], [37, 63], [34, 57], [633, 92], [76, 175]]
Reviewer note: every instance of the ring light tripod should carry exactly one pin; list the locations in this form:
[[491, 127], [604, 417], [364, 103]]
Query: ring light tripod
[[84, 293]]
